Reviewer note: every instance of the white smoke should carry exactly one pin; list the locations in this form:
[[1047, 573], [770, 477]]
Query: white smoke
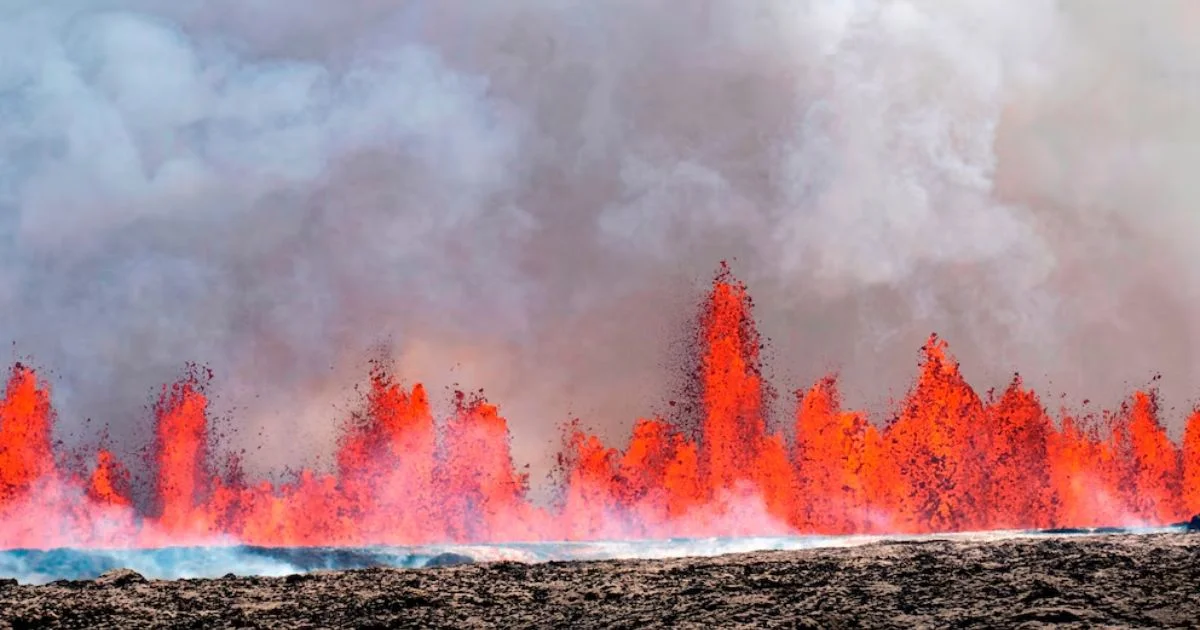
[[524, 197], [36, 567]]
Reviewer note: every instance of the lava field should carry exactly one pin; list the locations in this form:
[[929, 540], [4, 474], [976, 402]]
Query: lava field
[[1115, 580]]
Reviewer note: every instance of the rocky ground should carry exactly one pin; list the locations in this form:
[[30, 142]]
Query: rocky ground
[[1114, 580]]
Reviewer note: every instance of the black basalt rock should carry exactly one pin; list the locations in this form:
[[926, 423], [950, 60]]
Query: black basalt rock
[[448, 560], [1194, 524], [119, 578]]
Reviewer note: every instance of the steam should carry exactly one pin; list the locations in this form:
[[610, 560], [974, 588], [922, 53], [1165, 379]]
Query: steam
[[524, 197], [41, 567]]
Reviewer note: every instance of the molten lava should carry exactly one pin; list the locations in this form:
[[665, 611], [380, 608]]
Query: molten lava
[[949, 461]]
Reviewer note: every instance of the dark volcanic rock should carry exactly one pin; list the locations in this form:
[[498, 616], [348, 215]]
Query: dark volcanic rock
[[120, 577], [1064, 530], [1194, 524], [1123, 581], [448, 560]]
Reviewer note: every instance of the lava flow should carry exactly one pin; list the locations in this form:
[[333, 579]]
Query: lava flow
[[948, 461]]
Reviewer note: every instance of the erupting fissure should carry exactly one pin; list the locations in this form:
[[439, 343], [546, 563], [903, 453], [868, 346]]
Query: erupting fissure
[[948, 461]]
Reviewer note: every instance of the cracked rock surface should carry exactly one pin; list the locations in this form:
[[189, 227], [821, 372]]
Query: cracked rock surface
[[1116, 580]]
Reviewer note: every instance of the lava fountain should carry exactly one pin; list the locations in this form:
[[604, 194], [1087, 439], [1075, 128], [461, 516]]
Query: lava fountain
[[948, 461]]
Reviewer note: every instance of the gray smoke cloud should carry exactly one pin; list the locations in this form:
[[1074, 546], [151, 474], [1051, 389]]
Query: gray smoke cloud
[[526, 196]]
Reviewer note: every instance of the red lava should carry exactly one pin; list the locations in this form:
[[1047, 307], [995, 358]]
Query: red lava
[[949, 461]]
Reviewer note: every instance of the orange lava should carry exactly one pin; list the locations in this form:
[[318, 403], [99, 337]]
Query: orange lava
[[948, 461]]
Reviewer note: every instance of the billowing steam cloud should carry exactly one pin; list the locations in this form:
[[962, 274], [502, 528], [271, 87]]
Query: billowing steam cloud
[[522, 195]]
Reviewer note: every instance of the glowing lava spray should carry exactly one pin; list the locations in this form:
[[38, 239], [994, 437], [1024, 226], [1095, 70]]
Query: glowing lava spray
[[949, 460]]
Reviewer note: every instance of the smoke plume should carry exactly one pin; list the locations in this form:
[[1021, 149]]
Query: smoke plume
[[524, 196]]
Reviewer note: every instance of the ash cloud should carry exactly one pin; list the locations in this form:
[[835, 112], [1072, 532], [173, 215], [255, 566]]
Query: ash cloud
[[527, 196]]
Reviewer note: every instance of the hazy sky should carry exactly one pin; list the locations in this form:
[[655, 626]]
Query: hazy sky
[[527, 197]]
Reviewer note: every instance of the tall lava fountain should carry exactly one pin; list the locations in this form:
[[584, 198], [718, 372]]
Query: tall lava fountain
[[949, 460]]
